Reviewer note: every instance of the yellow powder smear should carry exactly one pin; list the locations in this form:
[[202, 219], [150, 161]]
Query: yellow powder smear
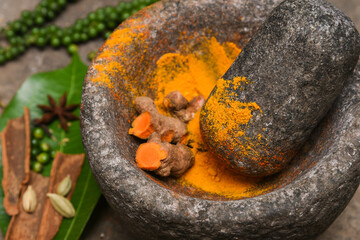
[[220, 111], [210, 174], [120, 40], [194, 73]]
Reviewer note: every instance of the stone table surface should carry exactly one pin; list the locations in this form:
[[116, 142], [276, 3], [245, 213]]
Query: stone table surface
[[103, 224]]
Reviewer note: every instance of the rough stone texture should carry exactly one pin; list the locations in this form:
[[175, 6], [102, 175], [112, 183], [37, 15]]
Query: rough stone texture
[[103, 223], [311, 193], [296, 64]]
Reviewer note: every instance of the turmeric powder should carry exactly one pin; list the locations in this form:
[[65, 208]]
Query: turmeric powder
[[193, 74]]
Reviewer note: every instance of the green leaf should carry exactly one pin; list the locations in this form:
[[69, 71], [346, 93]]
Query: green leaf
[[34, 91]]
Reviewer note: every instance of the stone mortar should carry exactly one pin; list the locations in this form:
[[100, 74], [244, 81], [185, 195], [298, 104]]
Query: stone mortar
[[299, 203]]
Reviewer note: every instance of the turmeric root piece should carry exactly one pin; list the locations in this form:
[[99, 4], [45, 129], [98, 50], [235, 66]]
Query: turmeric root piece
[[169, 128], [178, 106], [141, 126], [175, 101], [163, 158], [188, 114], [149, 156]]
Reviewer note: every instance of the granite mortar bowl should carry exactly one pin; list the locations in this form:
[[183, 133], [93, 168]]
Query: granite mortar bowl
[[298, 203]]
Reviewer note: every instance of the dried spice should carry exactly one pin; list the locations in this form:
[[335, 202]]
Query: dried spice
[[60, 111], [24, 225], [15, 143], [62, 205], [64, 186], [29, 200], [63, 165]]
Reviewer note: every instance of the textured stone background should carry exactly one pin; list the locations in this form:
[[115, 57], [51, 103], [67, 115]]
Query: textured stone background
[[103, 224]]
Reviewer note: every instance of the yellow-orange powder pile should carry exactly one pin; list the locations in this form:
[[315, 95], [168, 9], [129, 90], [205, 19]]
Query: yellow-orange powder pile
[[197, 73]]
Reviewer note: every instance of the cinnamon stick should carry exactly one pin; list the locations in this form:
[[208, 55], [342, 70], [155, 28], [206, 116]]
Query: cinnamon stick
[[24, 225], [63, 165], [15, 143]]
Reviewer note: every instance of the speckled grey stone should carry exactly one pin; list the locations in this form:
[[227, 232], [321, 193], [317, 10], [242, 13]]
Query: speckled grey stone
[[307, 196], [296, 65]]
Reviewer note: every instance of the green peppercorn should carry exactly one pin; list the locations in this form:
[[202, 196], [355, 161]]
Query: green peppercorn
[[62, 3], [50, 15], [92, 32], [35, 31], [39, 20], [45, 147], [10, 33], [84, 37], [108, 10], [13, 41], [72, 49], [78, 27], [16, 25], [2, 58], [35, 152], [53, 29], [14, 51], [92, 16], [59, 33], [125, 15], [54, 6], [85, 22], [43, 32], [127, 6], [76, 37], [25, 14], [101, 21], [43, 158], [107, 34], [55, 42], [100, 17], [113, 16], [120, 7], [40, 41], [53, 153], [38, 133], [66, 40], [8, 55], [29, 22], [35, 142], [21, 48], [37, 167], [100, 27], [135, 3]]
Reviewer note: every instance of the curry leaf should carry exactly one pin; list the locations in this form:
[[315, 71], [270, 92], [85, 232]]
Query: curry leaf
[[34, 91]]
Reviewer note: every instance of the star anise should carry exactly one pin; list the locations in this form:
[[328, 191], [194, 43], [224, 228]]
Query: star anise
[[60, 111]]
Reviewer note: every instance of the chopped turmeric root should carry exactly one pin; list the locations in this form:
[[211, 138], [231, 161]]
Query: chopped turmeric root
[[150, 120], [163, 158], [141, 126], [178, 106], [188, 114], [175, 101], [149, 156], [158, 154]]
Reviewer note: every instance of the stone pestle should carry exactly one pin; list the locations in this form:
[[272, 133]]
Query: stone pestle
[[281, 85]]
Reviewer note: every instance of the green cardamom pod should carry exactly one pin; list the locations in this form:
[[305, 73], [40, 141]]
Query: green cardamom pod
[[64, 186], [29, 200], [62, 205]]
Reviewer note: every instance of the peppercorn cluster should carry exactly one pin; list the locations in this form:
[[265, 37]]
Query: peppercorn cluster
[[33, 28], [41, 152]]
